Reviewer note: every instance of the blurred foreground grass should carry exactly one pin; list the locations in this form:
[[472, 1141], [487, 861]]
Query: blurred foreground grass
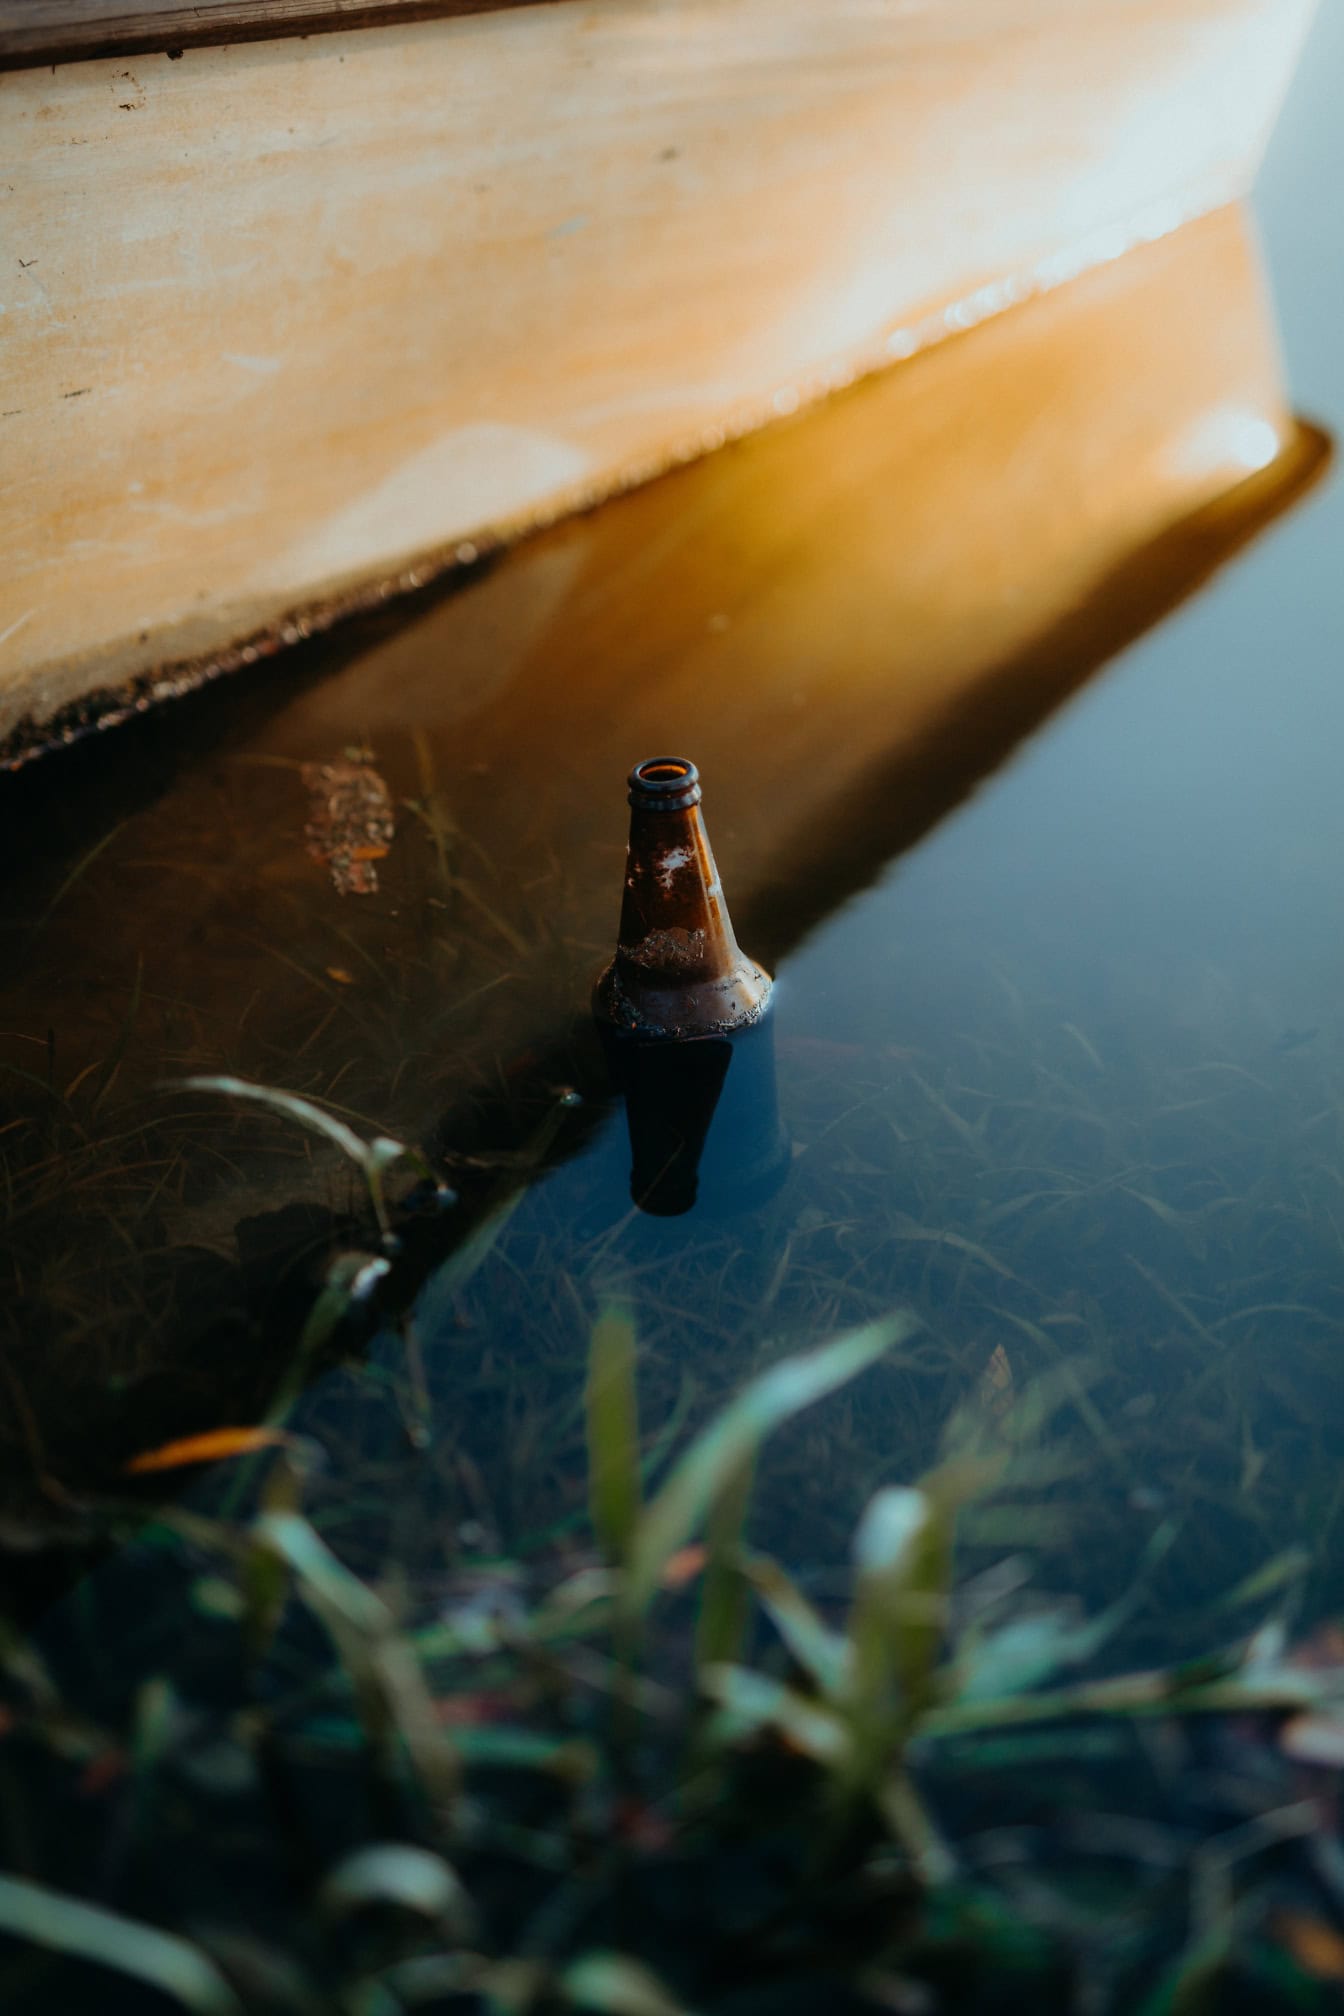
[[639, 1764]]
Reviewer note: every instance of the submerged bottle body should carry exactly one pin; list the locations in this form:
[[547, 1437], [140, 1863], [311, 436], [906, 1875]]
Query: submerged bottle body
[[703, 1121]]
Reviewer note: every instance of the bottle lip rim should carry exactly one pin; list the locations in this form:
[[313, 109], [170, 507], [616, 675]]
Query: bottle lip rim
[[664, 784]]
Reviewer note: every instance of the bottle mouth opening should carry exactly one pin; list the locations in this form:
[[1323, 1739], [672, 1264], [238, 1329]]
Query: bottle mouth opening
[[665, 784]]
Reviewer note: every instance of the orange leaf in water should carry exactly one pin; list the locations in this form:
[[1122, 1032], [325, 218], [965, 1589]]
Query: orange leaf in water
[[641, 1827], [102, 1771], [1322, 1652], [1315, 1946], [207, 1448], [995, 1390], [1314, 1739], [468, 1711], [683, 1566]]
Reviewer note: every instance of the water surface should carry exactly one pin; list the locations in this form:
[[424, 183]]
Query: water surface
[[1040, 828]]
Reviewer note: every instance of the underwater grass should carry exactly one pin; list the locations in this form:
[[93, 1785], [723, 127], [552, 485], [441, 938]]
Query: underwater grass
[[1125, 1276], [1031, 1185]]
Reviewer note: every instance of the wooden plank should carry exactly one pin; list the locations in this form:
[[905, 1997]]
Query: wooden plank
[[67, 31]]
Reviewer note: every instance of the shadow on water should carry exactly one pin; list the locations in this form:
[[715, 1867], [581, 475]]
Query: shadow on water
[[853, 620]]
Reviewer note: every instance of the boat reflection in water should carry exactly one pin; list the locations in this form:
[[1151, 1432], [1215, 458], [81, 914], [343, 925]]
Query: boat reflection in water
[[888, 597]]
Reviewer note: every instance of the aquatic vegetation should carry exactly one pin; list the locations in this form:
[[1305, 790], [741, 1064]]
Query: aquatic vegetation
[[648, 1771], [489, 1653]]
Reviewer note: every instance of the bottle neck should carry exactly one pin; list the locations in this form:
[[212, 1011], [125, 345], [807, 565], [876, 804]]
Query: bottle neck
[[674, 923]]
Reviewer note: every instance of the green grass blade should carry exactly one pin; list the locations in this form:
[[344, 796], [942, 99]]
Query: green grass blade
[[289, 1106], [434, 1305], [1286, 1569], [903, 1558], [717, 1456], [81, 868], [158, 1960], [350, 1279], [372, 1158], [910, 1823], [822, 1653], [725, 1599], [1029, 1650], [609, 1984], [388, 1681], [613, 1433], [749, 1702], [326, 1581], [400, 1874], [112, 1062]]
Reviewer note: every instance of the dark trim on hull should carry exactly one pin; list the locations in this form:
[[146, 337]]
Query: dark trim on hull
[[34, 32]]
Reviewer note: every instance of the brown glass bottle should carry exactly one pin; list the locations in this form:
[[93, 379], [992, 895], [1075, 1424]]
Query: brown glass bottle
[[679, 971]]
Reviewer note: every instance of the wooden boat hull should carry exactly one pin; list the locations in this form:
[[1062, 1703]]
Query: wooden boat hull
[[292, 324]]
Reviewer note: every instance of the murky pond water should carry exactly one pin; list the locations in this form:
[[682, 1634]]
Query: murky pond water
[[1057, 1048]]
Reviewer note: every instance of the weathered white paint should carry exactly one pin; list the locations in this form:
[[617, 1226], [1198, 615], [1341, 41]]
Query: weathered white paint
[[284, 315], [484, 473]]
